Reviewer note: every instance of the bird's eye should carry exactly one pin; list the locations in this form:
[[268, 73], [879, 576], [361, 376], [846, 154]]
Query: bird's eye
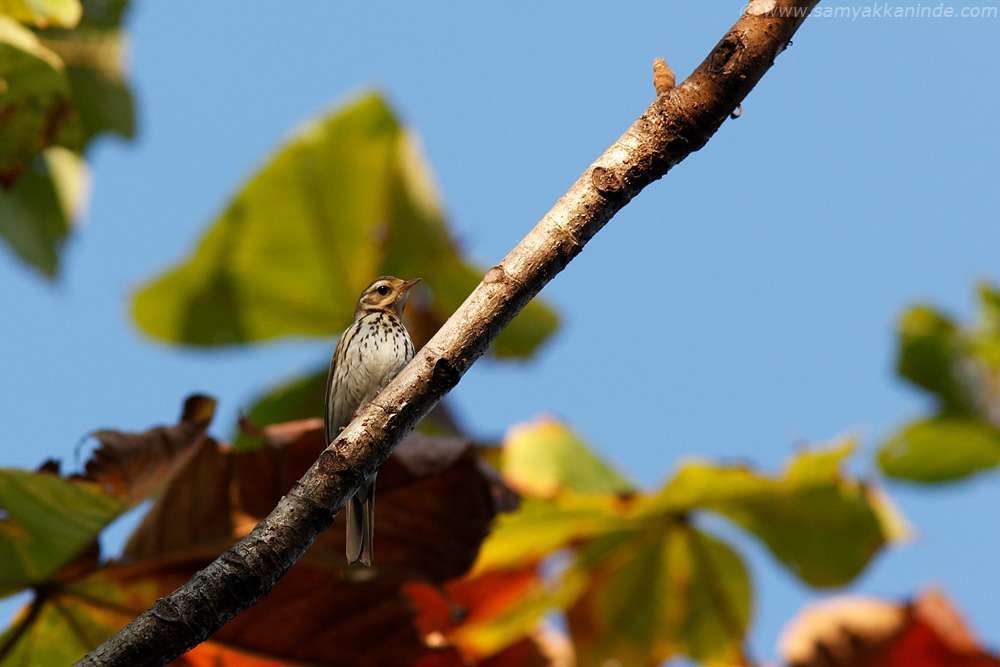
[[383, 290]]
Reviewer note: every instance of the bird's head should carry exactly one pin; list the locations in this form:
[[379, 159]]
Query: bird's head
[[385, 294]]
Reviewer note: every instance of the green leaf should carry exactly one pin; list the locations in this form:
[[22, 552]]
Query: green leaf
[[65, 13], [345, 200], [70, 619], [544, 458], [822, 526], [961, 366], [644, 583], [35, 101], [940, 449], [540, 527], [37, 212], [46, 522], [685, 594]]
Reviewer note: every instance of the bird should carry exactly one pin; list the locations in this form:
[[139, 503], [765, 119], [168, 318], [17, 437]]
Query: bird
[[368, 356]]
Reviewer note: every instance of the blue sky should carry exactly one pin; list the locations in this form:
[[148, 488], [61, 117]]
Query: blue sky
[[742, 306]]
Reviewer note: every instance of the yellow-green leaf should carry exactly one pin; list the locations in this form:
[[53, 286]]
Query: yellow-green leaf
[[65, 13], [70, 619], [347, 199], [540, 527], [544, 458], [823, 526], [45, 522], [643, 582], [940, 449], [649, 600]]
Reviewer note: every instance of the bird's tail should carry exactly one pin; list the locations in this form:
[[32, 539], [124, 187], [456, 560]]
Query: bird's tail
[[361, 524]]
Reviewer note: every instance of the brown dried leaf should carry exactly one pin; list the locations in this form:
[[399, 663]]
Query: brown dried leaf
[[323, 620], [849, 631], [435, 501], [328, 621], [131, 466]]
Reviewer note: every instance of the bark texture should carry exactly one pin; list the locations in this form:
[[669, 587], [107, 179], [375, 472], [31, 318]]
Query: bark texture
[[680, 121]]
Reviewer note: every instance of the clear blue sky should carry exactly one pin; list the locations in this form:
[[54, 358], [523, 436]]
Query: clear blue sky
[[770, 266]]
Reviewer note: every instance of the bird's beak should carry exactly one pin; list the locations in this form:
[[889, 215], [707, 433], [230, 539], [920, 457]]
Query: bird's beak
[[405, 287]]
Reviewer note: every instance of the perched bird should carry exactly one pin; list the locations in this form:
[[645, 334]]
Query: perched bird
[[368, 355]]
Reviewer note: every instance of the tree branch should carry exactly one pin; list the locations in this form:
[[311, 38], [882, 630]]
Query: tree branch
[[680, 121]]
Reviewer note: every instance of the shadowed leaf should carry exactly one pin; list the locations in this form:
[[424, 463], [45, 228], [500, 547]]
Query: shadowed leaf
[[59, 86], [93, 55], [649, 600], [37, 211], [35, 102]]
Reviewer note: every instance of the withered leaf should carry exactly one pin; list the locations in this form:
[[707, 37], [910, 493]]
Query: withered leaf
[[851, 631], [434, 504], [131, 466]]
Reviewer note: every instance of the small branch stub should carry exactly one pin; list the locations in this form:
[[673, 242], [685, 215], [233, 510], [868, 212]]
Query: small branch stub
[[606, 182], [663, 76]]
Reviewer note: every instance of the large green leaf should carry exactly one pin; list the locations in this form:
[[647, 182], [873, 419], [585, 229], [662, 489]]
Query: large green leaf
[[345, 200], [47, 522], [821, 525], [35, 102], [37, 211], [960, 367]]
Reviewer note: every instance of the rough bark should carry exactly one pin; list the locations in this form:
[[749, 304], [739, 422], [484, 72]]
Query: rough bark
[[680, 121]]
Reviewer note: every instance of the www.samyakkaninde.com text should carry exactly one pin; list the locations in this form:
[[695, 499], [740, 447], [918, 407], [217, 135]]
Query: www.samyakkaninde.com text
[[885, 10]]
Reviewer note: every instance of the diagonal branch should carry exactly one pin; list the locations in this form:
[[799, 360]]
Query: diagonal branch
[[680, 121]]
